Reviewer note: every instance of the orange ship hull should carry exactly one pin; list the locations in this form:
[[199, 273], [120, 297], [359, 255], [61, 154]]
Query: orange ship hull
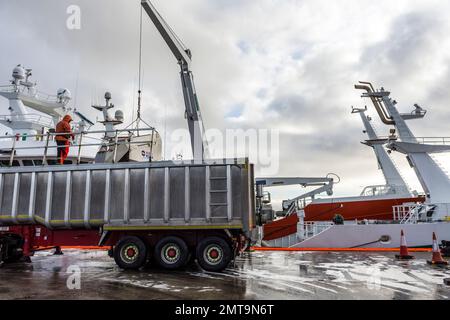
[[281, 228], [380, 209]]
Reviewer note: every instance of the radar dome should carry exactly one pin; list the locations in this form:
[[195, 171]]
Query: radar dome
[[19, 73], [63, 95], [108, 95], [119, 115]]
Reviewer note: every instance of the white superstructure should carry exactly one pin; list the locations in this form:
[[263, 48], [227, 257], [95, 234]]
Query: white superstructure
[[23, 93], [32, 119]]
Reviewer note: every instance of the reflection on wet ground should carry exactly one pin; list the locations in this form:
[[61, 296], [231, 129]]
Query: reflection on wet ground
[[257, 275]]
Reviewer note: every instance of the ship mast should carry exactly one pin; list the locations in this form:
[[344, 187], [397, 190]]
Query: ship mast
[[391, 174], [432, 177]]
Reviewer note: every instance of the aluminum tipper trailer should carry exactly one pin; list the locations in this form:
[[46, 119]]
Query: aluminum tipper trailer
[[170, 212]]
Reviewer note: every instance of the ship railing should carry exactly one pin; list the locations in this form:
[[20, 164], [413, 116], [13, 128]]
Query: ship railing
[[9, 88], [406, 213], [86, 139], [44, 96], [382, 190], [378, 190], [32, 92], [428, 140], [419, 140], [432, 140], [309, 229], [40, 120]]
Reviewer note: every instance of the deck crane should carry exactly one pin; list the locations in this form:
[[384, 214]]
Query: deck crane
[[184, 58], [324, 185]]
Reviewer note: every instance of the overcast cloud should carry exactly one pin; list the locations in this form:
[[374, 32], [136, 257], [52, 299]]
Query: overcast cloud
[[286, 64]]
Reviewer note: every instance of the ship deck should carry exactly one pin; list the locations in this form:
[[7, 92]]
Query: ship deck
[[257, 275]]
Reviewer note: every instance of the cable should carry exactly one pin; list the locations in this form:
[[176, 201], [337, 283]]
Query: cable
[[138, 116]]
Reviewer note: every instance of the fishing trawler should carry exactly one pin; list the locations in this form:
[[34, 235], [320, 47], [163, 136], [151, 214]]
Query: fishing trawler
[[418, 216], [374, 203]]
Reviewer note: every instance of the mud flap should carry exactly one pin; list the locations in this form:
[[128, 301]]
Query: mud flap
[[103, 238]]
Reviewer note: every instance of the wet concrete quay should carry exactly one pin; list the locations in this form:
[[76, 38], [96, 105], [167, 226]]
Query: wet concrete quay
[[256, 275]]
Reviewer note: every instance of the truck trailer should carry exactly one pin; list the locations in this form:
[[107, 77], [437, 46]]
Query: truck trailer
[[170, 212]]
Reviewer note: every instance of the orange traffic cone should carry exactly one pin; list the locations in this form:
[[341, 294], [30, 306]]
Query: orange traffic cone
[[437, 256], [404, 254]]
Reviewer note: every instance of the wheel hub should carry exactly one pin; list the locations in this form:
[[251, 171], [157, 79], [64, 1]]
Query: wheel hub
[[170, 253], [213, 254], [129, 253]]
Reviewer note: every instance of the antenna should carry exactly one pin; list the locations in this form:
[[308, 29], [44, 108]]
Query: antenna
[[76, 92]]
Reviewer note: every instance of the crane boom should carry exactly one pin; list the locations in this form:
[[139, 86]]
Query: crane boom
[[304, 182], [177, 48], [183, 56]]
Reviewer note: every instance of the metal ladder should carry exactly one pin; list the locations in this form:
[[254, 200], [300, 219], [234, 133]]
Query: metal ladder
[[218, 194]]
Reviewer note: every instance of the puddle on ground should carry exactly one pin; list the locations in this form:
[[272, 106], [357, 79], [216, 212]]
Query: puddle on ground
[[258, 275]]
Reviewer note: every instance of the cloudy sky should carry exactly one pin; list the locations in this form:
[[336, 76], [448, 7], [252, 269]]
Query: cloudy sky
[[288, 65]]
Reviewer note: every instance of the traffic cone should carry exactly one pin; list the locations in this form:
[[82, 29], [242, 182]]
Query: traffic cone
[[437, 256], [404, 254]]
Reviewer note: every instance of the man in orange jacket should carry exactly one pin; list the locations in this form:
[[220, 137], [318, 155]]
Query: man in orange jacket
[[64, 134]]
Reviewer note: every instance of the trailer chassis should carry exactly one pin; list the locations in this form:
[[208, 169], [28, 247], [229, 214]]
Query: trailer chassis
[[131, 249]]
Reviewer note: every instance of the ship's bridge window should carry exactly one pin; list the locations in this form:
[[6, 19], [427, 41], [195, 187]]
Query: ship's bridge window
[[373, 191], [5, 163], [28, 163]]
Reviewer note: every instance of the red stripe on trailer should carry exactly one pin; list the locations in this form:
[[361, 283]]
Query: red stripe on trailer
[[338, 249], [96, 248]]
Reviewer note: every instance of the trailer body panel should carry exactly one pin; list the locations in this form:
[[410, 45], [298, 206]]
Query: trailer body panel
[[130, 196]]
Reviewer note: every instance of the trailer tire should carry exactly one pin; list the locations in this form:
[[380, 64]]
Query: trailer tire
[[171, 253], [214, 254], [130, 253]]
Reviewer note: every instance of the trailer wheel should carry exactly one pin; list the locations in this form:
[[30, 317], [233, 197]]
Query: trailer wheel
[[214, 254], [130, 253], [171, 253]]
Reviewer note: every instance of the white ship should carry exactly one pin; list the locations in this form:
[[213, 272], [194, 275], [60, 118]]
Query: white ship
[[29, 138], [418, 220]]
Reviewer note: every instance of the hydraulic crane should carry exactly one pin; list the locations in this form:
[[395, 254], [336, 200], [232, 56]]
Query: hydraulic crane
[[325, 185], [184, 58]]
